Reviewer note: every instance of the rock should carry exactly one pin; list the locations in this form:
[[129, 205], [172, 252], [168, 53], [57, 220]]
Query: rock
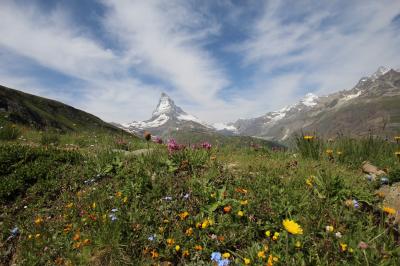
[[368, 168]]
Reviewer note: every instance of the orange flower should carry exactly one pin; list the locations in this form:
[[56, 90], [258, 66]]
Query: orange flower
[[198, 248], [189, 231], [68, 228], [77, 236], [185, 253], [227, 209], [86, 241], [389, 210], [154, 254], [241, 190]]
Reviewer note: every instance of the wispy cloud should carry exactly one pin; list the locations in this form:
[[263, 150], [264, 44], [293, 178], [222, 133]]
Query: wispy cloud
[[220, 60]]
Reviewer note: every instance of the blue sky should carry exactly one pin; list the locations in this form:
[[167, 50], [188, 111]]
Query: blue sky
[[219, 60]]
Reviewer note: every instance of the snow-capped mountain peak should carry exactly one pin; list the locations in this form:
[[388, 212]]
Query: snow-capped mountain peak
[[166, 106], [309, 99], [382, 70]]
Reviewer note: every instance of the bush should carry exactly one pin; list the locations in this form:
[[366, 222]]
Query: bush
[[9, 132]]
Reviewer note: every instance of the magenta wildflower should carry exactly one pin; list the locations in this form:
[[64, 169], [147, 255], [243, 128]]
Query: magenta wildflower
[[206, 145]]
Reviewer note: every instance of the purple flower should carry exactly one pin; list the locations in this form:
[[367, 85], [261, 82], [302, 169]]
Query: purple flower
[[112, 217], [157, 140], [356, 204], [206, 145], [224, 262], [173, 146], [152, 237]]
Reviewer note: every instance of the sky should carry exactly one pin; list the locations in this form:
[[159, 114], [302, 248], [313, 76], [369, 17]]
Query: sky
[[219, 60]]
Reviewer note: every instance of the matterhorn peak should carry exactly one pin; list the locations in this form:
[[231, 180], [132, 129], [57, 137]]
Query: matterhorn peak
[[166, 106], [382, 70]]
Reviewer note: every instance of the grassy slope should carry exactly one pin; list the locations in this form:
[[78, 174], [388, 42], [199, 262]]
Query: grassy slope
[[76, 227], [33, 111]]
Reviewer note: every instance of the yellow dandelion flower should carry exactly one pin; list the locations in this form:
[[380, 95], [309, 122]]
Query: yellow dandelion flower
[[292, 227], [240, 213], [177, 248], [244, 202], [308, 138], [170, 241], [189, 231], [329, 228], [30, 236], [94, 205], [343, 247], [184, 215], [389, 210], [268, 233], [261, 254], [154, 254], [185, 253], [246, 261], [38, 221], [226, 255], [205, 224]]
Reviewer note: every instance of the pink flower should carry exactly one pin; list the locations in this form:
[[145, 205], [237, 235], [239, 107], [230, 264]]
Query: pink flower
[[157, 140], [206, 145], [173, 146]]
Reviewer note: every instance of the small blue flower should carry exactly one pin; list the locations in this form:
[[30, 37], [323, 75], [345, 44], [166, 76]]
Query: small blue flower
[[112, 217], [15, 231], [356, 204], [384, 180], [224, 262], [152, 237], [216, 256]]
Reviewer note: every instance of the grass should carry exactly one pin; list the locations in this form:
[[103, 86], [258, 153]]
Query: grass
[[83, 203]]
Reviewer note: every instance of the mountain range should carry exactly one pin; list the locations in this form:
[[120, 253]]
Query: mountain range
[[372, 106]]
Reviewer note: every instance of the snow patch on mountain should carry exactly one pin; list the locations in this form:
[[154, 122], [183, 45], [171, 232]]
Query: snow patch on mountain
[[309, 100], [352, 96], [381, 71]]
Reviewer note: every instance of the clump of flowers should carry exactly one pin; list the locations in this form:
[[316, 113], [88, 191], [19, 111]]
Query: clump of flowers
[[205, 145], [292, 227], [220, 259], [173, 146], [184, 215]]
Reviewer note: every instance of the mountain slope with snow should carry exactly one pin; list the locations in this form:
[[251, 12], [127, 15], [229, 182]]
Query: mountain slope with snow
[[167, 117], [315, 113]]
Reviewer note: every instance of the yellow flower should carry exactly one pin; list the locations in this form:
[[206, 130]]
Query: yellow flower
[[292, 227], [118, 194], [339, 153], [177, 247], [37, 235], [154, 254], [69, 205], [226, 255], [329, 151], [68, 228], [170, 241], [246, 261], [343, 247], [189, 231], [77, 245], [30, 236], [213, 195], [244, 202], [185, 253], [261, 254], [38, 221], [389, 210], [297, 244], [268, 233], [329, 228], [397, 138], [198, 248], [205, 224], [351, 250], [397, 153], [276, 236], [184, 215], [308, 138], [240, 213], [94, 205], [125, 200]]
